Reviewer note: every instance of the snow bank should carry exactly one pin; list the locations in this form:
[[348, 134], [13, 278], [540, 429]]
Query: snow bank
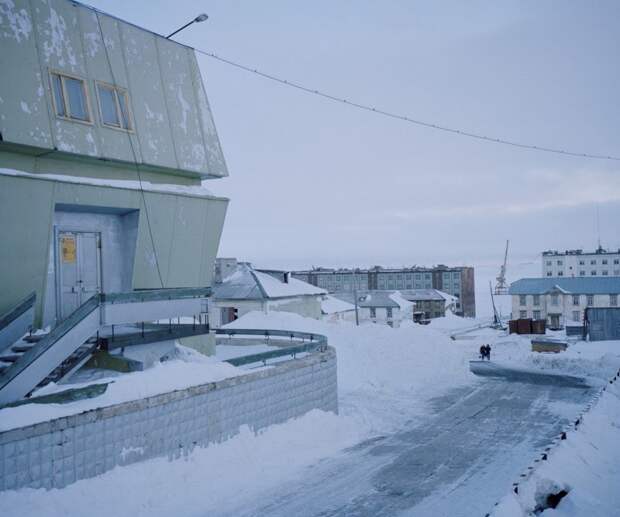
[[586, 465], [162, 378], [217, 476], [384, 373]]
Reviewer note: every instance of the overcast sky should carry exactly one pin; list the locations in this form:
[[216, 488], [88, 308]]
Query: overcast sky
[[317, 183]]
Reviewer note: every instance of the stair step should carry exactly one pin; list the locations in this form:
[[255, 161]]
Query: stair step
[[10, 358], [22, 347], [34, 338]]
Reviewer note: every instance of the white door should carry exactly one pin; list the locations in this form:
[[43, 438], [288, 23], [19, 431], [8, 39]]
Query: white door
[[79, 258]]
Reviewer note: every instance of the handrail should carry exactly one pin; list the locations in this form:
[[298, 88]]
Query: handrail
[[151, 295], [48, 341], [317, 342], [9, 317], [86, 309]]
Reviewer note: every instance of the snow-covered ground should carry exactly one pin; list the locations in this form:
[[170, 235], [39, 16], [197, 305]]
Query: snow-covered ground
[[389, 380], [586, 465]]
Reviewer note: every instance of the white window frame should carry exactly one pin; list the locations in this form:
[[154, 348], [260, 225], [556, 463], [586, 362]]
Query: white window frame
[[65, 98], [118, 90]]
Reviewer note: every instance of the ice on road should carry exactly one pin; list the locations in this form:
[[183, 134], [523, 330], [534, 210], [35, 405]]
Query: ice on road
[[457, 462]]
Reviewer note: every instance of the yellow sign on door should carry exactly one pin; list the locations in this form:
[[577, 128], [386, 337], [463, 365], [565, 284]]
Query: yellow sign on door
[[67, 245]]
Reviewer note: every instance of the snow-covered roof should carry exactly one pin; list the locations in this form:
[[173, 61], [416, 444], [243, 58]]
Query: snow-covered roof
[[247, 284], [332, 305], [585, 285]]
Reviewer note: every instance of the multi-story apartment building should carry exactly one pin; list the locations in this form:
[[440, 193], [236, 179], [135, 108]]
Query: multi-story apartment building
[[579, 263], [562, 300], [105, 137], [456, 281]]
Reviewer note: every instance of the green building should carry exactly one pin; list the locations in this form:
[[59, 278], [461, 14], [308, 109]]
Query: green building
[[106, 137]]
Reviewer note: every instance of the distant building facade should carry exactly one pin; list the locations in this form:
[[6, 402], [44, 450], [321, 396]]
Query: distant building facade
[[239, 289], [562, 300], [579, 263], [383, 307], [456, 281]]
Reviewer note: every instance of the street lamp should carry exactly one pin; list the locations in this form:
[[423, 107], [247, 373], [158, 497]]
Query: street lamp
[[200, 18]]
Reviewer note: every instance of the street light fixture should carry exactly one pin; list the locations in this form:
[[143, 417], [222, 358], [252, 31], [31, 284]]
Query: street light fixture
[[200, 18]]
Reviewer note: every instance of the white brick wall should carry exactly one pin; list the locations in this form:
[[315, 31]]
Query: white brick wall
[[56, 453]]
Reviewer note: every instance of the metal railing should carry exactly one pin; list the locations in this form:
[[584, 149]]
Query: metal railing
[[23, 306], [310, 343]]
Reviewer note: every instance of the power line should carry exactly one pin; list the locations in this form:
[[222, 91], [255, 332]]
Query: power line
[[135, 157], [405, 118]]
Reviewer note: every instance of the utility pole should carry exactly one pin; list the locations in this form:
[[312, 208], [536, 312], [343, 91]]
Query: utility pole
[[357, 316]]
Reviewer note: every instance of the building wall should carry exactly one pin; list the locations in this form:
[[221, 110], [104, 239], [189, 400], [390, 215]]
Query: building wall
[[173, 126], [566, 306], [186, 232], [306, 306], [57, 453], [457, 281], [582, 264]]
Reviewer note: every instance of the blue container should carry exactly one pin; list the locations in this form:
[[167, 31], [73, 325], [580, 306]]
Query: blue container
[[603, 323]]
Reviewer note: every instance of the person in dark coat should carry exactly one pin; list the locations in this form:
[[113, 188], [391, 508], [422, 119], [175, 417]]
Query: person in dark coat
[[483, 351], [488, 352]]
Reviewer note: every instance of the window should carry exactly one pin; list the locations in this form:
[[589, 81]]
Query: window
[[593, 272], [582, 273], [605, 273], [388, 312], [114, 106], [604, 262], [593, 262], [70, 97], [555, 299], [560, 273], [536, 315], [548, 273], [582, 262], [576, 315], [617, 272], [522, 299], [559, 262], [575, 299], [613, 300], [537, 299], [522, 314], [616, 261], [549, 262], [373, 312], [590, 300]]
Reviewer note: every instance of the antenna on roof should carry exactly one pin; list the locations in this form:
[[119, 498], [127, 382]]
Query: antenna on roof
[[598, 229]]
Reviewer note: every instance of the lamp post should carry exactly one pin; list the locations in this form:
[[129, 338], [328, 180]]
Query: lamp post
[[200, 18]]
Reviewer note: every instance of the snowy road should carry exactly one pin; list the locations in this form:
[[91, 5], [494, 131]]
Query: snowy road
[[458, 461]]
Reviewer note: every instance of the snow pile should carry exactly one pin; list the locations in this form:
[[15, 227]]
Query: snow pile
[[162, 378], [382, 371], [586, 465]]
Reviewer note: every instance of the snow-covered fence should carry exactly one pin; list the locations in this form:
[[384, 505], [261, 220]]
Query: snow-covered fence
[[64, 450]]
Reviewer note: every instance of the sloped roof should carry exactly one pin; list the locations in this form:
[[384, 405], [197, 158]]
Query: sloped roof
[[331, 305], [577, 285], [376, 299], [416, 295], [247, 284]]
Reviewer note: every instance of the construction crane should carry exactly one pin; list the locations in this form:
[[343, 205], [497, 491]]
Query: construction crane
[[501, 287]]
